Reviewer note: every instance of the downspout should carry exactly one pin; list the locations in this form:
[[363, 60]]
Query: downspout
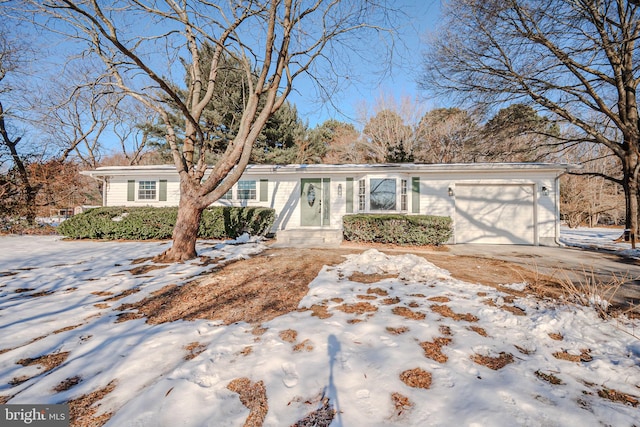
[[557, 205], [105, 181]]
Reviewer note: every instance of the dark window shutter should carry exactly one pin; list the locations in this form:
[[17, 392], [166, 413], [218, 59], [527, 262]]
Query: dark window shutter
[[162, 196], [131, 190], [264, 190], [349, 195], [415, 194]]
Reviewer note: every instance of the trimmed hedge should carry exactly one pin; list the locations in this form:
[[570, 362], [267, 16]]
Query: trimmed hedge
[[143, 223], [409, 230]]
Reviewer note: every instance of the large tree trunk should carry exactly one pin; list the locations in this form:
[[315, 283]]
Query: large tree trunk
[[630, 185], [185, 233], [633, 212]]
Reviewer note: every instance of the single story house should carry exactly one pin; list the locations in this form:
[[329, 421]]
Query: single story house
[[495, 203]]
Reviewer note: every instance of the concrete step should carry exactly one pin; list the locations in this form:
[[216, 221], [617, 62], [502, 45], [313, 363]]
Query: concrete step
[[311, 237]]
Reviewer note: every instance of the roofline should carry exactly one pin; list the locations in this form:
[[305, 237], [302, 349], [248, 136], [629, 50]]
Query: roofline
[[170, 170]]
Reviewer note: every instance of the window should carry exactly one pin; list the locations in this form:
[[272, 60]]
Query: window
[[228, 195], [147, 190], [362, 195], [382, 194], [246, 190], [403, 195]]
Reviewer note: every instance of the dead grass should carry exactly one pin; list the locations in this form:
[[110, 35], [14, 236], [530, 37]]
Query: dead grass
[[517, 311], [319, 311], [321, 417], [378, 291], [253, 290], [397, 331], [288, 335], [523, 350], [584, 356], [83, 409], [616, 396], [391, 301], [408, 313], [556, 336], [305, 345], [368, 278], [439, 299], [67, 384], [67, 328], [47, 361], [358, 308], [246, 351], [550, 378], [478, 330], [495, 363], [268, 285], [433, 349], [401, 404], [123, 294], [416, 378], [136, 271], [193, 350], [445, 330], [445, 311], [254, 397]]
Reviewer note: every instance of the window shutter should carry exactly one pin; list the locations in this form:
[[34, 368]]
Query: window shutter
[[131, 190], [415, 194], [264, 190], [349, 195], [162, 196]]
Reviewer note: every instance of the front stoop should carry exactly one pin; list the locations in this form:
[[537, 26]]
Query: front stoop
[[311, 237]]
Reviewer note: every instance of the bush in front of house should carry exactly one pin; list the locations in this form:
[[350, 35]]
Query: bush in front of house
[[145, 223], [407, 230]]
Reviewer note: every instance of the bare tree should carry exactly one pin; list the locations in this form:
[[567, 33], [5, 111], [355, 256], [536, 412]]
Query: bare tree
[[17, 189], [276, 42], [342, 142], [390, 129], [587, 197], [576, 59], [447, 135]]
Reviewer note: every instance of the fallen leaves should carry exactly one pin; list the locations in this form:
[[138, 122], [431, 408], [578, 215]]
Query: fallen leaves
[[416, 378], [433, 350], [495, 363], [445, 311], [254, 397], [408, 313]]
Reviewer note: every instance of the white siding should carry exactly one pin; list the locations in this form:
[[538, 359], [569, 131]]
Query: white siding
[[435, 181], [117, 191]]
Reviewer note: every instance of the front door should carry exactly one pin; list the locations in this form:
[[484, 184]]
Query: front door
[[314, 202]]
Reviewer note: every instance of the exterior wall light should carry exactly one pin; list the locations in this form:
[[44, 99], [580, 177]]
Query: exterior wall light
[[339, 190], [451, 193], [544, 190]]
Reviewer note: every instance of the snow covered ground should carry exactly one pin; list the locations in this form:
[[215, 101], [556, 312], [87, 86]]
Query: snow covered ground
[[563, 364]]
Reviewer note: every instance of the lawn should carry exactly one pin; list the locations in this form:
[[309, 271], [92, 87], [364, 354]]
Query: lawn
[[255, 336]]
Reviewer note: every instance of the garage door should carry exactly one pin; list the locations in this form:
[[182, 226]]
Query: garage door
[[495, 214]]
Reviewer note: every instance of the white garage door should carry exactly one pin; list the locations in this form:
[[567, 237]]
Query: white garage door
[[494, 214]]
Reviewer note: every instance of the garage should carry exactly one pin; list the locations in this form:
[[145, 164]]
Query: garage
[[495, 214]]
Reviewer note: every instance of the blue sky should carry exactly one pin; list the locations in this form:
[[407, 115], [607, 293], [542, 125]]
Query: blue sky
[[367, 85]]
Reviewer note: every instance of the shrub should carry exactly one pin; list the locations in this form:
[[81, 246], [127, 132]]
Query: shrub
[[143, 223], [416, 230]]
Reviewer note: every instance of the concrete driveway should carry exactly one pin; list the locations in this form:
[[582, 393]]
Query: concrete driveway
[[579, 265]]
